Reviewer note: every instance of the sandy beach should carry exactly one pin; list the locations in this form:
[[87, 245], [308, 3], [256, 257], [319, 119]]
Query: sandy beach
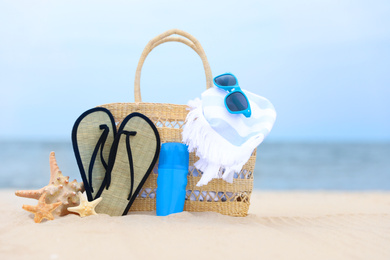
[[280, 225]]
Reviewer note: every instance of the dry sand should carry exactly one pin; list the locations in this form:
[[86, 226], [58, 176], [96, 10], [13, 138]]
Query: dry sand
[[281, 225]]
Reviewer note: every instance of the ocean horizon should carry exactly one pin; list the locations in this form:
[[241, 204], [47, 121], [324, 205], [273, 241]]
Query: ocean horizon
[[279, 165]]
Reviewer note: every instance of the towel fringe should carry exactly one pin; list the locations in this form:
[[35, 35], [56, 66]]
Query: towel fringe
[[209, 146]]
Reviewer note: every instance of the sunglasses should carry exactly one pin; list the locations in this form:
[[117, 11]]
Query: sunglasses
[[236, 101]]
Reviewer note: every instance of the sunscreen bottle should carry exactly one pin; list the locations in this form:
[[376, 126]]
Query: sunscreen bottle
[[172, 178]]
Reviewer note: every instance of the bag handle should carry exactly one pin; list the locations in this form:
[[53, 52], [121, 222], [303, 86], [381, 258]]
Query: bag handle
[[188, 39]]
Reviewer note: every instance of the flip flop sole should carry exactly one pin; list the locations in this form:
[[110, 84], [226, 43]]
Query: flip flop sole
[[139, 134], [86, 133]]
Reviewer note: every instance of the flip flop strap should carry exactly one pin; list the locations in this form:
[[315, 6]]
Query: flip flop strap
[[130, 159], [100, 144]]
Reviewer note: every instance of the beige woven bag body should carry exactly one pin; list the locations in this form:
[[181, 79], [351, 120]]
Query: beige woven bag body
[[218, 195]]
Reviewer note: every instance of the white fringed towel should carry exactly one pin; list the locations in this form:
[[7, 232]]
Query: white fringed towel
[[223, 141]]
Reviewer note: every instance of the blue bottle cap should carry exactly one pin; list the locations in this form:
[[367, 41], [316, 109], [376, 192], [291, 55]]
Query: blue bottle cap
[[173, 156]]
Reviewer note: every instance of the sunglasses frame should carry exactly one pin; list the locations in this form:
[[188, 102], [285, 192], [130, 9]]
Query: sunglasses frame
[[234, 89]]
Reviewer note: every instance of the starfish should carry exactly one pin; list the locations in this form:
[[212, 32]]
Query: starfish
[[85, 208], [42, 210], [59, 189]]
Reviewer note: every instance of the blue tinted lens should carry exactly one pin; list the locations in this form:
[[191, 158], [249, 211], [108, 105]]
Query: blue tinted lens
[[236, 101], [225, 80]]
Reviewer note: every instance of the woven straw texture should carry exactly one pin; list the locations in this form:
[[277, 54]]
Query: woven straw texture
[[219, 196], [143, 147], [88, 133]]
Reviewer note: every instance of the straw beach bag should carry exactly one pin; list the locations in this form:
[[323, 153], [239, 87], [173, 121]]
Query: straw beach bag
[[218, 195]]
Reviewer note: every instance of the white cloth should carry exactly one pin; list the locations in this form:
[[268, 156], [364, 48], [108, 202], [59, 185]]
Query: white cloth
[[223, 141]]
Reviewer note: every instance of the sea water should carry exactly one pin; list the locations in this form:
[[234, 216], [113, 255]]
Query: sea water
[[279, 166], [323, 166]]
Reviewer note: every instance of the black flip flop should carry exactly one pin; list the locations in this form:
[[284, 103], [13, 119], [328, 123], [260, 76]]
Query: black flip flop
[[133, 155], [92, 137]]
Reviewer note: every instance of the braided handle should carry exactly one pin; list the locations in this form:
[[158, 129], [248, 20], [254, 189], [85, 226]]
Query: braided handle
[[188, 39]]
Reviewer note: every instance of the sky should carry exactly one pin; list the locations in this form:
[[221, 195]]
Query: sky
[[325, 65]]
